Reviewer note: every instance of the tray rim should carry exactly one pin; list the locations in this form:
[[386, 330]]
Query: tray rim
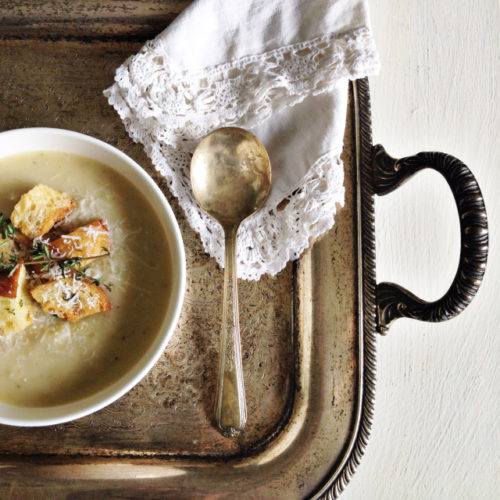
[[340, 476], [336, 479], [369, 320]]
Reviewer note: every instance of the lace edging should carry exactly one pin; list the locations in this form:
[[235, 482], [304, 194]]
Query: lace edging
[[169, 111], [172, 103]]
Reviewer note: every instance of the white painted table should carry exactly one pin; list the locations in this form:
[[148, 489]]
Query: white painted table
[[436, 433]]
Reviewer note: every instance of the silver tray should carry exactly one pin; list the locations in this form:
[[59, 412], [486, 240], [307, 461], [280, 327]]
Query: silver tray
[[309, 334]]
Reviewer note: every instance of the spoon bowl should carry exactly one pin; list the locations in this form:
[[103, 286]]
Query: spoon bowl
[[231, 179], [230, 175]]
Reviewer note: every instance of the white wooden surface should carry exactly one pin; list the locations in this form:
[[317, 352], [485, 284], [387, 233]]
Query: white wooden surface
[[437, 420]]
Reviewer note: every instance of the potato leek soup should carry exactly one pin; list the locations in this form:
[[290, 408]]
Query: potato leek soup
[[47, 355]]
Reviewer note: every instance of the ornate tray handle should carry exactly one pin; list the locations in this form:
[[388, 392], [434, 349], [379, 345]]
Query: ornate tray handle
[[393, 301]]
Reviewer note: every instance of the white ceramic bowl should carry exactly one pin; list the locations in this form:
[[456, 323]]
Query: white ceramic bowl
[[49, 139]]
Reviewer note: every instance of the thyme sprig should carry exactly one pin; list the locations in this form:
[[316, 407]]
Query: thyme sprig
[[11, 265], [82, 273], [40, 255], [6, 227], [63, 261]]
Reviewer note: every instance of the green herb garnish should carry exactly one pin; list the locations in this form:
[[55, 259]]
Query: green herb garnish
[[11, 265], [6, 228], [67, 264], [41, 255]]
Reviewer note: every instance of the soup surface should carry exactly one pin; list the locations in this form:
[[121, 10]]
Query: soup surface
[[55, 362]]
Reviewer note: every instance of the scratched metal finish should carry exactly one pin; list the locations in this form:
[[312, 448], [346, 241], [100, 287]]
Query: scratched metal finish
[[176, 400], [300, 332]]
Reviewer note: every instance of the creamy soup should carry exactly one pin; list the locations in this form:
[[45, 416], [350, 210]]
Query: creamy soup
[[52, 361]]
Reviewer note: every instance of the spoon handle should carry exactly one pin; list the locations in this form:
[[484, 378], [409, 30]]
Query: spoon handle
[[230, 407]]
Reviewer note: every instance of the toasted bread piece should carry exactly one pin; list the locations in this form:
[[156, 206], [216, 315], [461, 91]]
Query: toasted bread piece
[[90, 240], [70, 298], [16, 312], [9, 282], [39, 209]]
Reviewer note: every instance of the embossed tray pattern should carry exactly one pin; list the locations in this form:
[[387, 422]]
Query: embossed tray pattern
[[308, 334]]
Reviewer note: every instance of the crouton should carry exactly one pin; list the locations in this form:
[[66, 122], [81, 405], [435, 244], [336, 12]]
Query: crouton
[[39, 209], [9, 282], [90, 240], [16, 305], [71, 298]]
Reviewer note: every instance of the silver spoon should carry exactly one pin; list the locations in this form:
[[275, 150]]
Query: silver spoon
[[231, 178]]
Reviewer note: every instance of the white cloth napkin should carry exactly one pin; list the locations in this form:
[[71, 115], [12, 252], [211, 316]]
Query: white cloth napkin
[[279, 68]]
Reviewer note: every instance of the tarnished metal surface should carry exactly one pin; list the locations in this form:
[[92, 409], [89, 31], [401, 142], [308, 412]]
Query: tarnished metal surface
[[396, 302], [302, 343], [60, 84], [308, 334], [230, 177]]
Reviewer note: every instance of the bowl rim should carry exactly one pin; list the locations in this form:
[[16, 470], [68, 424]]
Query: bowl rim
[[51, 415]]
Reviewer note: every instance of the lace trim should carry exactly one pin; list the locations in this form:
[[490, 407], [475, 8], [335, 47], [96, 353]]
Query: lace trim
[[168, 111], [191, 103]]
